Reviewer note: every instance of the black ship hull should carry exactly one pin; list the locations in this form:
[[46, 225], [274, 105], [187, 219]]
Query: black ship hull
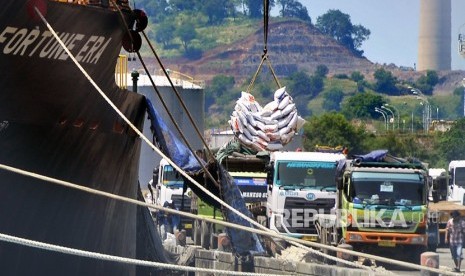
[[54, 123]]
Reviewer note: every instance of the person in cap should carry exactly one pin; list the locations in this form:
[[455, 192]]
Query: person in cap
[[455, 237]]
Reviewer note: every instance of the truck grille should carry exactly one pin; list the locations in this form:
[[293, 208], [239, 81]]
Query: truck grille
[[386, 224], [177, 199], [303, 222]]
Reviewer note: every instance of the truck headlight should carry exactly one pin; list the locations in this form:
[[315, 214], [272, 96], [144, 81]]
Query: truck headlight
[[355, 237], [418, 239]]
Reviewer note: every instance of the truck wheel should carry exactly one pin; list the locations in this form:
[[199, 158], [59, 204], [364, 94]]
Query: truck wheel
[[196, 232], [205, 235], [326, 240], [432, 247], [416, 253]]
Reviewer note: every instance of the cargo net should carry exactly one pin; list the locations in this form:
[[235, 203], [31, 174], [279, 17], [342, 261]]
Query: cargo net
[[269, 128]]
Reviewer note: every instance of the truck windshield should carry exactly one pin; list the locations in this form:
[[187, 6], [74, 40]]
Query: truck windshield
[[171, 178], [306, 174], [387, 188], [459, 176]]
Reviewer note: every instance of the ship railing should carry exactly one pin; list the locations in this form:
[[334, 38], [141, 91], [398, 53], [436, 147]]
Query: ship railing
[[181, 78], [121, 71], [103, 3]]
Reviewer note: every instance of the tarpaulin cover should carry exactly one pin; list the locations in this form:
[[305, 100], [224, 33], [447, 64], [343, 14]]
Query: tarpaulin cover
[[243, 242], [171, 144], [373, 156]]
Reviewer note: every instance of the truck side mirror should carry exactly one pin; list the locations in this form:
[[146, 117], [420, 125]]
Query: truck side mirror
[[435, 195], [269, 179], [430, 182], [269, 176], [339, 182], [155, 175]]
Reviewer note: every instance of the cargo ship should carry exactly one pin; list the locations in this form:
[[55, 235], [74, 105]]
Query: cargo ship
[[54, 123]]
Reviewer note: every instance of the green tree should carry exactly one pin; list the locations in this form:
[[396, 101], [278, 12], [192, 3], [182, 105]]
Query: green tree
[[362, 105], [332, 99], [157, 10], [293, 8], [165, 33], [232, 8], [385, 82], [182, 5], [299, 83], [333, 129], [220, 86], [186, 33], [459, 91], [359, 35], [317, 85], [357, 76], [255, 8], [321, 71], [427, 82], [338, 25], [216, 10], [451, 143]]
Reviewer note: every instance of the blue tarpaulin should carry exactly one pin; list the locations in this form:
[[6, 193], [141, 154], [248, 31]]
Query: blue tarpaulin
[[243, 242]]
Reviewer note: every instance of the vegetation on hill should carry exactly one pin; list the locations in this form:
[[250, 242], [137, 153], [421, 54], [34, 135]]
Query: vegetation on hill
[[340, 108], [435, 148], [189, 28], [353, 96]]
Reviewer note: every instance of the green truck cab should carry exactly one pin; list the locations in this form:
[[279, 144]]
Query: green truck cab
[[383, 207]]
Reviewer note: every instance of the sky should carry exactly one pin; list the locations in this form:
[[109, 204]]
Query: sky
[[394, 26]]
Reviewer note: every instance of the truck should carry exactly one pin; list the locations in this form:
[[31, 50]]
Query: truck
[[448, 192], [248, 173], [283, 190], [440, 189], [457, 181], [168, 190], [300, 186], [382, 207]]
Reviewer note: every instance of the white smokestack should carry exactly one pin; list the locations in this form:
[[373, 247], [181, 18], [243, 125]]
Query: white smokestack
[[434, 41]]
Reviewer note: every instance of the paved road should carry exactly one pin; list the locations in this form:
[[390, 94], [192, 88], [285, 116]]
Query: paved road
[[445, 262]]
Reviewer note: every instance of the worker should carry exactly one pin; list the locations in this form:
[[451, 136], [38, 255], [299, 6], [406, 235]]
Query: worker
[[455, 228]]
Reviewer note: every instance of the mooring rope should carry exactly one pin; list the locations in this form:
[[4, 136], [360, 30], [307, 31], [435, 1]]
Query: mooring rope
[[137, 131], [226, 224], [266, 231], [112, 258], [162, 101]]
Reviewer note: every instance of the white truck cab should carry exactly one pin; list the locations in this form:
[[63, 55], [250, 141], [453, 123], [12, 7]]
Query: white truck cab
[[457, 181], [303, 186], [169, 185]]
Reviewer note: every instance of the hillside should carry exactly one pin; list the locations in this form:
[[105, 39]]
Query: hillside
[[292, 45]]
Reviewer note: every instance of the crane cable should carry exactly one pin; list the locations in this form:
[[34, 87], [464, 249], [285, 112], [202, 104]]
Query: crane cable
[[265, 231], [223, 205], [141, 135], [266, 9], [164, 103], [226, 224], [136, 130]]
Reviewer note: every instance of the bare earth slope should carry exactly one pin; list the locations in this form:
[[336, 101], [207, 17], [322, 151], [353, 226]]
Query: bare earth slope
[[292, 46]]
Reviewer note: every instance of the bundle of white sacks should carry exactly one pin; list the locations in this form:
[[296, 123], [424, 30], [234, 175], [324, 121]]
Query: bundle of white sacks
[[269, 128]]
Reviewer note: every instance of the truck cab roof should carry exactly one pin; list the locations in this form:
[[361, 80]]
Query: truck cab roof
[[307, 156], [245, 163]]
